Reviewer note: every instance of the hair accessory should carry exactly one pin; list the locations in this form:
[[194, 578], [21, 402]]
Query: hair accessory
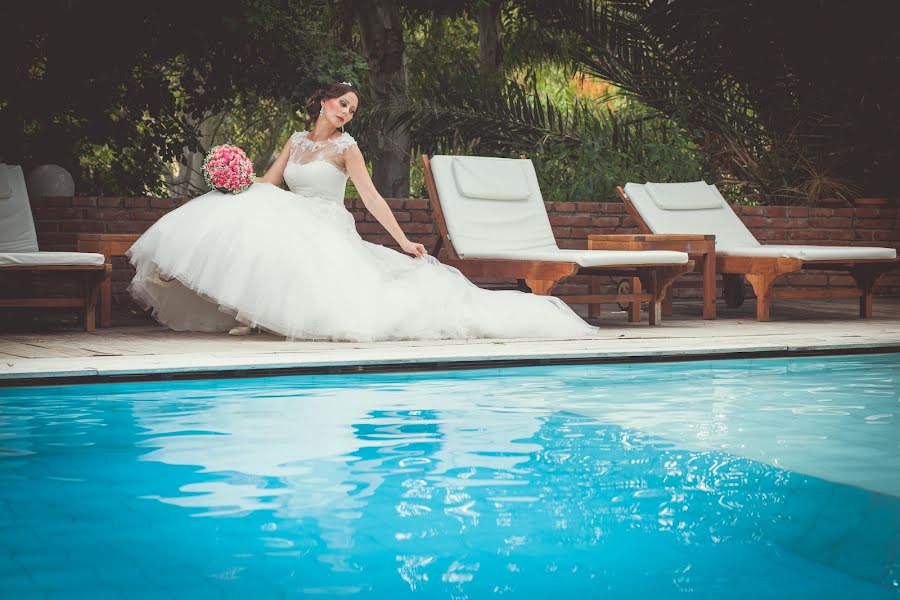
[[347, 83]]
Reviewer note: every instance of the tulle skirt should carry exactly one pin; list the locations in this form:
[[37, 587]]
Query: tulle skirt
[[296, 266]]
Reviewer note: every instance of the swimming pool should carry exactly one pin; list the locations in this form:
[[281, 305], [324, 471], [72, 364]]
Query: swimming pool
[[744, 478]]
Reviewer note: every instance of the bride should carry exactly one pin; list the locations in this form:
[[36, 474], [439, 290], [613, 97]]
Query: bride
[[292, 262]]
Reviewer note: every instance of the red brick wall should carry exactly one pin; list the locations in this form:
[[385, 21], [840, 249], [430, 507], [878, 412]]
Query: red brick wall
[[59, 220]]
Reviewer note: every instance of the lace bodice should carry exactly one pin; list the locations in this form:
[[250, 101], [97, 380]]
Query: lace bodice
[[317, 169], [304, 150]]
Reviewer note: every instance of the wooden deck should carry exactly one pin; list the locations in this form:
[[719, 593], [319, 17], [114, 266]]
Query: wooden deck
[[147, 350]]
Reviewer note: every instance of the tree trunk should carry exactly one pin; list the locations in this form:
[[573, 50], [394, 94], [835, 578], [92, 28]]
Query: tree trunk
[[489, 38], [381, 32], [343, 22], [189, 180]]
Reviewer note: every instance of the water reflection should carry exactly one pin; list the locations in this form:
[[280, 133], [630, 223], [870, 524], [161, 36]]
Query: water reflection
[[533, 483], [462, 489]]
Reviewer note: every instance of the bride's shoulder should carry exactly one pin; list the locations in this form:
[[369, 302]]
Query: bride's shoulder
[[298, 135], [344, 141]]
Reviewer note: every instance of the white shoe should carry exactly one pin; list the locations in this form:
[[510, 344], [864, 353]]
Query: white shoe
[[165, 280], [240, 330]]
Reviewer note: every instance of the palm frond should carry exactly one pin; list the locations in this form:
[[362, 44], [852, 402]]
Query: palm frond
[[470, 116], [581, 152]]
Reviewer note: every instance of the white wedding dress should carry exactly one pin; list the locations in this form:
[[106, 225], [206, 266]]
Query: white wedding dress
[[292, 262]]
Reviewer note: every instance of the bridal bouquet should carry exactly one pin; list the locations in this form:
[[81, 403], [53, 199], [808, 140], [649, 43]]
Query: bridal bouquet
[[227, 169]]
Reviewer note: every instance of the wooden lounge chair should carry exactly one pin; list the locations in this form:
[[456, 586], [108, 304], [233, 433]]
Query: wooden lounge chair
[[493, 224], [109, 245], [700, 209], [19, 253]]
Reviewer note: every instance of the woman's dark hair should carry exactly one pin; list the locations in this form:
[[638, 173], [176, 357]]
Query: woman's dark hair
[[335, 90]]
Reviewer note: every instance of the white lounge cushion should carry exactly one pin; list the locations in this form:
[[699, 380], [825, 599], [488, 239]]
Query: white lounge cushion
[[50, 258], [732, 236], [478, 225], [16, 225], [729, 230], [491, 180], [494, 209], [812, 252], [693, 195], [592, 258]]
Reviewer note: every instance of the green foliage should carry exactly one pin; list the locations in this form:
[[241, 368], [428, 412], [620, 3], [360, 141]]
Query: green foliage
[[782, 97], [632, 144], [581, 148], [437, 50], [115, 94], [790, 102]]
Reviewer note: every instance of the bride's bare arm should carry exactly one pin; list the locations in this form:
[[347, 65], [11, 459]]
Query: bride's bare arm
[[375, 204], [275, 174]]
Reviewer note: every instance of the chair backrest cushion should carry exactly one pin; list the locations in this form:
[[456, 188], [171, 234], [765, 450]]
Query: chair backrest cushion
[[486, 180], [16, 224], [729, 230], [692, 195], [491, 204]]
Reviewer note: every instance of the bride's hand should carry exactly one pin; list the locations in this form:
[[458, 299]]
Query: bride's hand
[[413, 248]]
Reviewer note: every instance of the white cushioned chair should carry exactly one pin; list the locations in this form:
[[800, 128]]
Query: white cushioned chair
[[19, 252], [493, 224], [699, 208]]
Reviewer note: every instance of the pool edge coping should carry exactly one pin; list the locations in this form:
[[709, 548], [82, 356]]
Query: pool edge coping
[[411, 364]]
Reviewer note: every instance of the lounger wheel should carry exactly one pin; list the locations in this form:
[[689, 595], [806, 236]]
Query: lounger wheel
[[733, 290], [624, 288]]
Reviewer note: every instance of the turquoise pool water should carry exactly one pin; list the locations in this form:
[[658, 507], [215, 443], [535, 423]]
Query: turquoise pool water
[[740, 479]]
